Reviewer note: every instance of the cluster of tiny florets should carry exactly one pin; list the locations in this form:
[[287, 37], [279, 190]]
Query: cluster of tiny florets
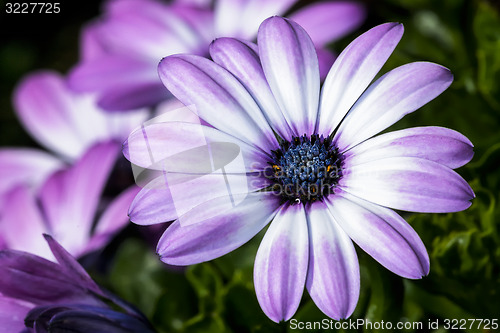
[[305, 169]]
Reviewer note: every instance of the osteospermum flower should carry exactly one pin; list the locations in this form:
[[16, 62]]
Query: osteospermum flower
[[302, 159], [121, 50], [37, 295], [66, 206], [65, 123]]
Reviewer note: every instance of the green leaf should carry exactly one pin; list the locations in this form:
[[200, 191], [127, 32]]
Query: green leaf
[[131, 275]]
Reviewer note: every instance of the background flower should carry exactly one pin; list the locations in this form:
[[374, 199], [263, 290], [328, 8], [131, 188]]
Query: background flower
[[37, 295], [121, 50], [66, 206], [65, 123]]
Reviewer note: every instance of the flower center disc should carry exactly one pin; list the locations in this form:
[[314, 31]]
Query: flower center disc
[[305, 169]]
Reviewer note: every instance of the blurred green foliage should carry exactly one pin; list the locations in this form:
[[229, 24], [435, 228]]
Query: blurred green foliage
[[464, 248]]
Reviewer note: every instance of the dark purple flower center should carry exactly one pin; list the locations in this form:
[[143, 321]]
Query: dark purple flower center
[[306, 169]]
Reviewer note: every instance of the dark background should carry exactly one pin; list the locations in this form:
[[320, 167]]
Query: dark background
[[35, 41]]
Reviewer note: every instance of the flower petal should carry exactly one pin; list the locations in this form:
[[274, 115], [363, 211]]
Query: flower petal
[[166, 198], [382, 233], [438, 144], [241, 18], [291, 66], [146, 36], [64, 121], [91, 46], [217, 236], [45, 107], [112, 220], [200, 19], [132, 96], [329, 20], [397, 93], [22, 224], [408, 183], [244, 63], [110, 71], [30, 278], [218, 97], [190, 148], [200, 3], [326, 58], [333, 279], [281, 262], [353, 71], [25, 165], [122, 82], [89, 319], [149, 29], [71, 267], [172, 110], [70, 198], [12, 313]]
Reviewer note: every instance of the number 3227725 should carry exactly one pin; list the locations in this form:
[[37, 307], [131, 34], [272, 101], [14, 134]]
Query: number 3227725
[[32, 8]]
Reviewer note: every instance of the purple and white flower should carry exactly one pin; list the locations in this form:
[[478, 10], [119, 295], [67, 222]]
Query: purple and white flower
[[37, 295], [65, 206], [64, 122], [308, 163], [120, 51], [35, 197]]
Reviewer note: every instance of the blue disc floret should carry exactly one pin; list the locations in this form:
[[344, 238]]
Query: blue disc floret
[[305, 169]]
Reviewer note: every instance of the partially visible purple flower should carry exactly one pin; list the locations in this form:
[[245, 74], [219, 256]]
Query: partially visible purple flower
[[120, 52], [66, 206], [64, 122], [24, 166], [304, 159], [37, 295]]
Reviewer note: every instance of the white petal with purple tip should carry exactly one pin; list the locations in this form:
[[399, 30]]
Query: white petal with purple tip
[[397, 93], [438, 144], [333, 279], [166, 198], [353, 71], [291, 66], [408, 183], [217, 236], [190, 148], [382, 233], [45, 107], [218, 97], [281, 262], [243, 62]]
